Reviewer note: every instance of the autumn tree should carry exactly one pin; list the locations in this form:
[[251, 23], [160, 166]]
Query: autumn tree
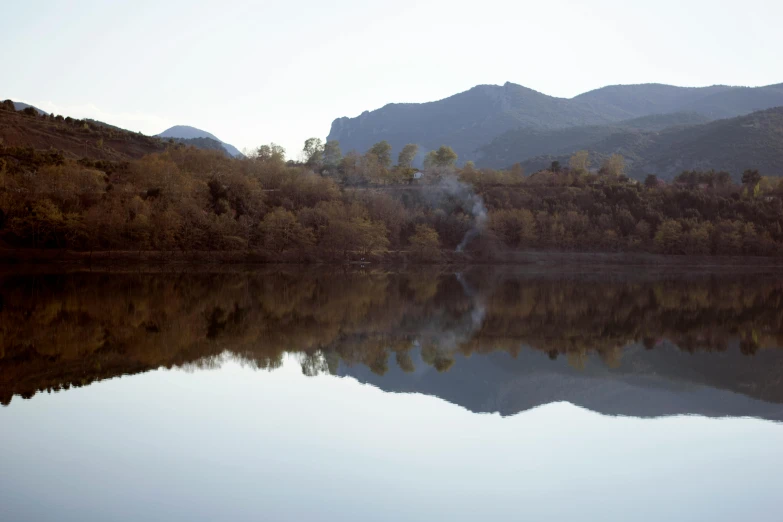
[[614, 166], [425, 244], [280, 231], [580, 162], [407, 155]]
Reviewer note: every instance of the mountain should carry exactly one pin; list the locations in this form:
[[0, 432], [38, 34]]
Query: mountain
[[464, 121], [734, 144], [715, 102], [203, 144], [189, 133], [471, 119]]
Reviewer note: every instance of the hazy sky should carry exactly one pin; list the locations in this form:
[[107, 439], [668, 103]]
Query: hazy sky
[[255, 72]]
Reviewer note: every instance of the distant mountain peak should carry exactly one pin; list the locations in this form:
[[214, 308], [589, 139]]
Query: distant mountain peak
[[19, 106], [187, 132]]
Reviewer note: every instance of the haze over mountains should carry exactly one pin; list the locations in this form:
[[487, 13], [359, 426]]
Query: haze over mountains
[[496, 126]]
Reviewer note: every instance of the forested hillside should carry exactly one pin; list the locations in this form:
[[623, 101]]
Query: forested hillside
[[734, 144], [524, 144], [339, 208]]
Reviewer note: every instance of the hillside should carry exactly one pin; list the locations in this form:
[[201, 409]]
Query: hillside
[[192, 133], [734, 144], [471, 119], [523, 144], [75, 138]]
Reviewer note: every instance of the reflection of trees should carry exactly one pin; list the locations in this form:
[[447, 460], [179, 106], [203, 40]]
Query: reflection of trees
[[69, 330]]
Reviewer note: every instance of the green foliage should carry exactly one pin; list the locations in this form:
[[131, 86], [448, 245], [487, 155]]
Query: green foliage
[[313, 152], [407, 155], [442, 157], [271, 153], [332, 155], [382, 151]]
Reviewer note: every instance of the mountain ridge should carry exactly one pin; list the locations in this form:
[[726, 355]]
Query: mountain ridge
[[468, 120]]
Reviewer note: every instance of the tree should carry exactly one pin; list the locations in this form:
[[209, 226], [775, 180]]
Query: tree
[[443, 157], [280, 231], [271, 153], [313, 152], [371, 236], [555, 166], [405, 362], [332, 155], [425, 244], [407, 155], [651, 181], [751, 178], [382, 151], [580, 162], [668, 239], [614, 166]]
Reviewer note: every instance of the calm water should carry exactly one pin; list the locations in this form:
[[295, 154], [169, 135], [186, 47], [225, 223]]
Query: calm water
[[491, 394]]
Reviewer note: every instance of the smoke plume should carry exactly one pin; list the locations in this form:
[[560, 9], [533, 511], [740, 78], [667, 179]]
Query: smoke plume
[[451, 186]]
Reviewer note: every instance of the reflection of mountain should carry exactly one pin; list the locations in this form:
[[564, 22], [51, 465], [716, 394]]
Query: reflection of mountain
[[649, 383]]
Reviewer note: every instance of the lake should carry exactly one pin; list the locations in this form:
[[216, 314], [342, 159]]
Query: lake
[[492, 393]]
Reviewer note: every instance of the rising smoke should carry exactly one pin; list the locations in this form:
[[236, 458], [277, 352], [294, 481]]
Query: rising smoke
[[452, 187]]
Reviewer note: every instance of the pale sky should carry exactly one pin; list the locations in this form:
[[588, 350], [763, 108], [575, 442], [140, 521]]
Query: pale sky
[[257, 72]]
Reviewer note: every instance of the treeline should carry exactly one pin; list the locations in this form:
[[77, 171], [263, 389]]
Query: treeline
[[69, 330], [331, 206]]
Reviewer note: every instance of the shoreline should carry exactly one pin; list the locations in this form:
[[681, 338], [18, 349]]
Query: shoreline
[[537, 260]]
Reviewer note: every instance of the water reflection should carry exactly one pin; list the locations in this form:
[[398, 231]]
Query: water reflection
[[489, 340]]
